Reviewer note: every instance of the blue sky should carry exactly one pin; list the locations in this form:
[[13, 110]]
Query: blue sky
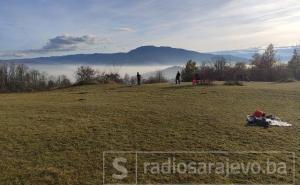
[[30, 28]]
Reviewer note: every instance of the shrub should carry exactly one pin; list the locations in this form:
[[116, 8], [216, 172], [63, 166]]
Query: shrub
[[88, 82], [153, 80], [287, 80], [206, 82], [234, 83], [158, 78]]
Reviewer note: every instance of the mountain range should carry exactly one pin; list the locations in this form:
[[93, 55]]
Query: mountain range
[[152, 55], [145, 55]]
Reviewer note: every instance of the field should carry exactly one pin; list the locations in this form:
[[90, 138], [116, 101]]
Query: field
[[58, 137]]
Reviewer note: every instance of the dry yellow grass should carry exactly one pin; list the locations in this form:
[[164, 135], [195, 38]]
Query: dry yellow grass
[[58, 137]]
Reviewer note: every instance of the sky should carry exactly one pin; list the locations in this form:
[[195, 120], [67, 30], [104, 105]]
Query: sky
[[31, 28]]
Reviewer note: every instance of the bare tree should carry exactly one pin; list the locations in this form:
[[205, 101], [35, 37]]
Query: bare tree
[[160, 77], [294, 65], [263, 65], [3, 76], [220, 67], [85, 73], [63, 81], [126, 79]]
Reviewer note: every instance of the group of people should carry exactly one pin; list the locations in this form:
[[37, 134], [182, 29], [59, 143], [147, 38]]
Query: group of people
[[139, 77]]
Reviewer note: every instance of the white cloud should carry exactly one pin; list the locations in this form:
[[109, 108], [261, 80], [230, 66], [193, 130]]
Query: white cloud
[[65, 42], [62, 43], [125, 29]]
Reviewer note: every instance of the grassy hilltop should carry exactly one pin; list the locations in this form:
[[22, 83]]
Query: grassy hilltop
[[58, 137]]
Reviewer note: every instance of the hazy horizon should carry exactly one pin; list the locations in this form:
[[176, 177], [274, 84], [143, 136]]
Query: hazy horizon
[[70, 69]]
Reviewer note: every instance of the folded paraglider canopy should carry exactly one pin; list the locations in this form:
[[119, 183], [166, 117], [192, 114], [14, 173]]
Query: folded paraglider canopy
[[259, 118]]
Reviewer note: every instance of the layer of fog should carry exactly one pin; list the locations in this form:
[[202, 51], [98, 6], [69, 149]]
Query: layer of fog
[[69, 70]]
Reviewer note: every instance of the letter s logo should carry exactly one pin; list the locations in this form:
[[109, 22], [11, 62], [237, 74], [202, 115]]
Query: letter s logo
[[120, 168]]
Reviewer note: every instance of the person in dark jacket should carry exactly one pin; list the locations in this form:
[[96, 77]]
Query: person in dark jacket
[[138, 77], [178, 78]]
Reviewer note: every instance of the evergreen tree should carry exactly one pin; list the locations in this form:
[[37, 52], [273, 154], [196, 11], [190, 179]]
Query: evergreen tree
[[190, 70]]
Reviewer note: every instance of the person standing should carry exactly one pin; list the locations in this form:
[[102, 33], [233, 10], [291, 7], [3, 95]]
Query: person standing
[[138, 77], [178, 78]]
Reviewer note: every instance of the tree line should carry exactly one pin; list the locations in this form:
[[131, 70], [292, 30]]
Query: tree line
[[19, 78], [88, 75], [262, 67]]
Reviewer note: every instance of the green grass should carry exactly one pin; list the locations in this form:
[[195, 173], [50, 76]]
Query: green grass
[[58, 137]]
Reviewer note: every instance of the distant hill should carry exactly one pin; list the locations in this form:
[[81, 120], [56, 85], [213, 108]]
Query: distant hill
[[284, 54], [145, 55], [169, 73]]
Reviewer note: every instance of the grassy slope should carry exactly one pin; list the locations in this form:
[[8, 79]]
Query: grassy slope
[[58, 136]]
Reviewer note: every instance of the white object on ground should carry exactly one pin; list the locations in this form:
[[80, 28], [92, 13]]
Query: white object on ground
[[272, 122], [278, 123]]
